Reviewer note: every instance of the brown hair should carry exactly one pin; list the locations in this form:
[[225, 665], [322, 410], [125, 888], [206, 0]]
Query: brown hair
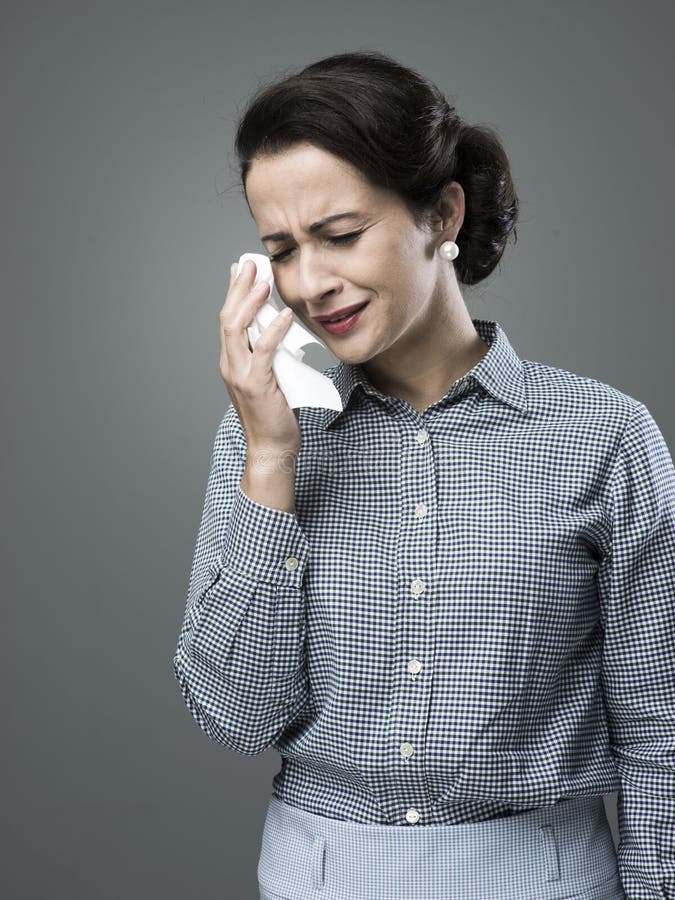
[[396, 127]]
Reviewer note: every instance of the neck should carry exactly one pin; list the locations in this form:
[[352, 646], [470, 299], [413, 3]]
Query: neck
[[422, 368]]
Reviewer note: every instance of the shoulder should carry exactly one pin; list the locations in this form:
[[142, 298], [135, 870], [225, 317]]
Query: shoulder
[[560, 393]]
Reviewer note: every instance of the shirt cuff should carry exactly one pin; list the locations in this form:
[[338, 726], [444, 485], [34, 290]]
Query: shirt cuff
[[263, 543]]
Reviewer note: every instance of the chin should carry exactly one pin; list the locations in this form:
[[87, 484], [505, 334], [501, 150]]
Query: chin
[[352, 358]]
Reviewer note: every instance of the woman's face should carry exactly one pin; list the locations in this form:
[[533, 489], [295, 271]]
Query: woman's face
[[389, 262]]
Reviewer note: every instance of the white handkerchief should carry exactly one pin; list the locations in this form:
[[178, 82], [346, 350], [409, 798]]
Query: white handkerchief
[[300, 384]]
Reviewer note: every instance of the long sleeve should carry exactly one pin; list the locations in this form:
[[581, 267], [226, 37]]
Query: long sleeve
[[637, 592], [239, 659]]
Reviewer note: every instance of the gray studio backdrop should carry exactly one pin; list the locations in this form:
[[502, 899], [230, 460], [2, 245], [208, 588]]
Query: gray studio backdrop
[[121, 215]]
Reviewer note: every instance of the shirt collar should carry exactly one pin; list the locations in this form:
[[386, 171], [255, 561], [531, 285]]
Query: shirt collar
[[499, 372]]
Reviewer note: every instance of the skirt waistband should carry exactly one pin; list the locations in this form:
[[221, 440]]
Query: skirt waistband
[[549, 852]]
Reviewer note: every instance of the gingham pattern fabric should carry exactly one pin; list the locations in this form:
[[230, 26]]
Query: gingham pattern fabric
[[559, 851], [471, 611]]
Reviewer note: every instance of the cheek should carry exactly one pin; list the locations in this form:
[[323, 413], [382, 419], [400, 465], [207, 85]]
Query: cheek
[[388, 272], [404, 281]]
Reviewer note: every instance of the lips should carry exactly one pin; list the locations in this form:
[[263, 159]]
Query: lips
[[341, 312]]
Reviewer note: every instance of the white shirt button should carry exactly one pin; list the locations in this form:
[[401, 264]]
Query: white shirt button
[[414, 666], [420, 510], [406, 749], [412, 815], [417, 587], [291, 563], [422, 436]]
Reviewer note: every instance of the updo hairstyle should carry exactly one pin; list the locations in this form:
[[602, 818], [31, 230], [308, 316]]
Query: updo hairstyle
[[397, 128]]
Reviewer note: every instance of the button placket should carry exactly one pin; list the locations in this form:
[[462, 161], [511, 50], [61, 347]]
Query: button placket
[[414, 666]]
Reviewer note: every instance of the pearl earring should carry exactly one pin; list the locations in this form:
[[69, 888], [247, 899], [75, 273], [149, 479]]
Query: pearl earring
[[449, 250]]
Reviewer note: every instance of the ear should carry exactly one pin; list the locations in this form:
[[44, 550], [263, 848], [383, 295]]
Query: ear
[[450, 210]]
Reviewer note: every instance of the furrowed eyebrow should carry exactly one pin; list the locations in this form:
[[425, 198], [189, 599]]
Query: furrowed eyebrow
[[315, 226]]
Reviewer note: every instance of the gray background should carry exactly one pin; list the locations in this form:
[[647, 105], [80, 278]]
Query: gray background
[[121, 215]]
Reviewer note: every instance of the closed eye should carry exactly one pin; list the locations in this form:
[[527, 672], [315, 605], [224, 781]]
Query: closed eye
[[334, 239]]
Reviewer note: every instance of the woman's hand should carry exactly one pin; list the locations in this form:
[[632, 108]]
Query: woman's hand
[[270, 425]]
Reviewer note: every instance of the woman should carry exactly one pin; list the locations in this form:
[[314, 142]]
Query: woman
[[449, 605]]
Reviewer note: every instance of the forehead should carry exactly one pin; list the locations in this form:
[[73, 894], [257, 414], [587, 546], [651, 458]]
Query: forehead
[[304, 182]]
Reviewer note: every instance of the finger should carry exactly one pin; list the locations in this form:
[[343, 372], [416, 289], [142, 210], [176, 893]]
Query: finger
[[269, 340], [225, 313], [223, 350], [235, 345], [224, 362], [237, 289], [239, 284], [247, 273]]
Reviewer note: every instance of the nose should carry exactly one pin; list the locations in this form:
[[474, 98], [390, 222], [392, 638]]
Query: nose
[[315, 280]]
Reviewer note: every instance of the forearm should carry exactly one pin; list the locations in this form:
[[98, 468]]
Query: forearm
[[239, 659], [269, 479], [239, 663]]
